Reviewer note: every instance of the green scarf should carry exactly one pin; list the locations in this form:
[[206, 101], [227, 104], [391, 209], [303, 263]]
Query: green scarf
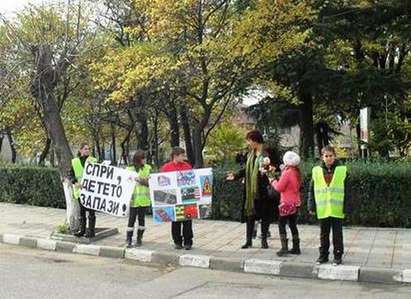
[[251, 188]]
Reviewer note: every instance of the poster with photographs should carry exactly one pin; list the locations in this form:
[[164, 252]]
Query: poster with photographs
[[181, 195]]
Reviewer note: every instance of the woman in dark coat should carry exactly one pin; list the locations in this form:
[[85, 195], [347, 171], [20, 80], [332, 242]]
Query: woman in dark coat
[[257, 205]]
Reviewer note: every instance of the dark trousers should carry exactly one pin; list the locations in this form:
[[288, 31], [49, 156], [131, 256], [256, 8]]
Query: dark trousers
[[292, 223], [187, 232], [250, 223], [91, 217], [139, 214], [336, 225]]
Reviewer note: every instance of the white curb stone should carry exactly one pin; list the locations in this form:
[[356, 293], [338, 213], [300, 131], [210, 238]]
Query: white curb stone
[[141, 255], [11, 239], [340, 272], [262, 266], [199, 261], [406, 275], [87, 249], [46, 244]]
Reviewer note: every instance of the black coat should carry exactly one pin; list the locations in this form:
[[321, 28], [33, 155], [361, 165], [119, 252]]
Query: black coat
[[266, 207]]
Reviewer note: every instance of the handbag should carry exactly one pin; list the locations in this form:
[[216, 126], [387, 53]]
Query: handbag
[[286, 209], [273, 194]]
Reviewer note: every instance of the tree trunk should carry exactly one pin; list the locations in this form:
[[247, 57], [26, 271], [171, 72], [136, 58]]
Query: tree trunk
[[319, 138], [124, 147], [45, 151], [113, 145], [103, 152], [58, 135], [187, 134], [172, 117], [198, 143], [197, 147], [52, 156], [44, 84], [1, 141], [139, 119], [307, 126], [358, 131], [12, 146], [156, 147], [322, 135], [97, 144], [143, 140]]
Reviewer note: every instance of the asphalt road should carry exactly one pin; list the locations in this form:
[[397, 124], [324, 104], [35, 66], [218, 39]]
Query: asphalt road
[[29, 273]]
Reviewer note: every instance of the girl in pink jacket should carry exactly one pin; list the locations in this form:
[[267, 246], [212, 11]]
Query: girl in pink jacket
[[289, 186]]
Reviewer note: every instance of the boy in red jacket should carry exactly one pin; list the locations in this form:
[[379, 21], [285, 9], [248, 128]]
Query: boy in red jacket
[[177, 163]]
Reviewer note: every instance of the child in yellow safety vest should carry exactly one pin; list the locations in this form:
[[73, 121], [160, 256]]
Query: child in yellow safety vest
[[140, 199], [328, 199]]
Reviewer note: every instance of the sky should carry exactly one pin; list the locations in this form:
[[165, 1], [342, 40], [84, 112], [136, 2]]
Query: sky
[[9, 7]]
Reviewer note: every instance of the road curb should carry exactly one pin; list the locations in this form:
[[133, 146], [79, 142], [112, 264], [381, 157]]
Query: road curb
[[260, 266], [87, 249], [66, 247], [165, 258], [141, 255], [257, 266], [28, 242], [368, 274], [226, 264], [46, 244], [110, 251], [191, 260], [294, 269], [342, 272], [11, 239]]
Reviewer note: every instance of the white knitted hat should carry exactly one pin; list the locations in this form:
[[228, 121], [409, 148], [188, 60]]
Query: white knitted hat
[[291, 158]]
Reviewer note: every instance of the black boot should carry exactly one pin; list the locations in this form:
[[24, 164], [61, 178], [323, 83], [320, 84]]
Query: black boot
[[264, 243], [140, 233], [337, 258], [249, 234], [91, 233], [129, 237], [247, 244], [82, 230], [323, 258], [284, 246], [296, 246], [264, 234]]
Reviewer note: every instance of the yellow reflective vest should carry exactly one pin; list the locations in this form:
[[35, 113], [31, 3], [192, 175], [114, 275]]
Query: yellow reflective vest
[[329, 199], [141, 193], [78, 173]]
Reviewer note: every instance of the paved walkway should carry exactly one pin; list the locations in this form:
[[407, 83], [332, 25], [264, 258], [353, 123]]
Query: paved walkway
[[372, 247]]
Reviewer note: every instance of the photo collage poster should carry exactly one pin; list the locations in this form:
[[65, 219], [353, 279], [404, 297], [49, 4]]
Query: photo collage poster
[[181, 195]]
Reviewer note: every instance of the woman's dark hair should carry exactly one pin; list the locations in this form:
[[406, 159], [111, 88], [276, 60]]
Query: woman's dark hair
[[177, 151], [138, 157], [255, 136], [274, 155], [82, 145]]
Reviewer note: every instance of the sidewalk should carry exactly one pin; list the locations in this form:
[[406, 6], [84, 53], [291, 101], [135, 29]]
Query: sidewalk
[[385, 249]]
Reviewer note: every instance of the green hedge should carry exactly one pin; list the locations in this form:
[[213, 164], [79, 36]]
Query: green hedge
[[381, 192], [37, 186], [381, 195]]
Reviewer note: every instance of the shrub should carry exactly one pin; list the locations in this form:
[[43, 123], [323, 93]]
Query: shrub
[[39, 186], [380, 194]]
